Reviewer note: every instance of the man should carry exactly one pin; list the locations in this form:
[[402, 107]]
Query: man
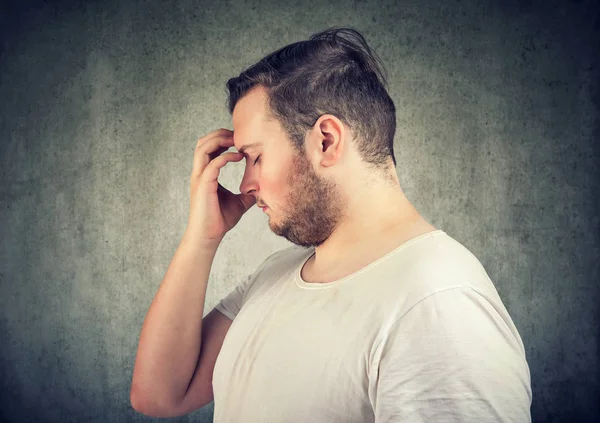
[[373, 315], [383, 318]]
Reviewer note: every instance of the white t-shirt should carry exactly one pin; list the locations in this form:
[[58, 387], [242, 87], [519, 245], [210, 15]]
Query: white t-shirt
[[419, 335]]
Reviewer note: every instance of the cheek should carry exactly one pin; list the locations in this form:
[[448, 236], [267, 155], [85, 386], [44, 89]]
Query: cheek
[[273, 186]]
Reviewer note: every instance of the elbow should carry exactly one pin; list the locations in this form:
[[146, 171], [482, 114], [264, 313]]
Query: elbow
[[136, 401], [142, 405], [149, 406]]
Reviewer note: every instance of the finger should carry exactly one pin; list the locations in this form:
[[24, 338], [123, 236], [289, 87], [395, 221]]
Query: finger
[[214, 134], [208, 151], [211, 172]]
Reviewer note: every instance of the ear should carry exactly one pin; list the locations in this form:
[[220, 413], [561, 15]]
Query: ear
[[327, 140]]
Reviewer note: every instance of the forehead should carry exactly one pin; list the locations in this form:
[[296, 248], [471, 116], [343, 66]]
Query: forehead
[[250, 118], [250, 109]]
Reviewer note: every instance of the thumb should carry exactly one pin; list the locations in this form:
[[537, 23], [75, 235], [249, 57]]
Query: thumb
[[248, 201]]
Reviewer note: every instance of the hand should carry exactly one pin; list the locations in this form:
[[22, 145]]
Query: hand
[[214, 210]]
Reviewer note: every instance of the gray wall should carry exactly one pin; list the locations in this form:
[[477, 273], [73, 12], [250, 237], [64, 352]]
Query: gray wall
[[101, 106]]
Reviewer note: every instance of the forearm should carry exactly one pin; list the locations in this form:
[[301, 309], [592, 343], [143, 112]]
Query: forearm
[[171, 334]]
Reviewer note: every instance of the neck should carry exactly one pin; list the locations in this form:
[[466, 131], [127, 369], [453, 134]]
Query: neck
[[380, 219]]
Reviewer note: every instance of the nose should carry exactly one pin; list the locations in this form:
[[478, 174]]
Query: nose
[[249, 186]]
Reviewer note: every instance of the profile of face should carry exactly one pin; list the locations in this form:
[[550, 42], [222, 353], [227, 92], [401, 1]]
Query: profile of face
[[303, 207]]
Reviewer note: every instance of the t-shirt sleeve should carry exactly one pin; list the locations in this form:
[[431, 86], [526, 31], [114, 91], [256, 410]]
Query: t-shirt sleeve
[[232, 303], [453, 357]]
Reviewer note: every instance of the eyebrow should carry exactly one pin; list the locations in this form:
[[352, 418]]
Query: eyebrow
[[247, 146]]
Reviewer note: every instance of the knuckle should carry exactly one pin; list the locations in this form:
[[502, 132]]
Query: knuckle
[[202, 145]]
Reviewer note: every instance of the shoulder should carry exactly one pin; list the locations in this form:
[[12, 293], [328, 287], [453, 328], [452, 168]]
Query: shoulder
[[444, 263], [433, 277]]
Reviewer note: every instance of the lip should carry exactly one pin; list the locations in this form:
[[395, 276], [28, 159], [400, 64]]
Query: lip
[[264, 208]]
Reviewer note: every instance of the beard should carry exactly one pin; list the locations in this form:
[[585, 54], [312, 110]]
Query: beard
[[313, 207]]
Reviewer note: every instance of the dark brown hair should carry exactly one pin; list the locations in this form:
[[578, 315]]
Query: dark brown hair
[[333, 72]]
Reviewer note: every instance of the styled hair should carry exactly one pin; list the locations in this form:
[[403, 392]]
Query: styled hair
[[333, 72]]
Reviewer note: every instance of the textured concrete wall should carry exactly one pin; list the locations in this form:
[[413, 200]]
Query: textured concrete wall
[[101, 104]]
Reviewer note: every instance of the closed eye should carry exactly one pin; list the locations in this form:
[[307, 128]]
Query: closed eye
[[255, 161]]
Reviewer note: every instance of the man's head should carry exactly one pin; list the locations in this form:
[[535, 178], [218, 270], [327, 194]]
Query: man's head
[[325, 122], [302, 206]]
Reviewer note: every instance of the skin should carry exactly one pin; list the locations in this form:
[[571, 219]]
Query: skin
[[326, 198]]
